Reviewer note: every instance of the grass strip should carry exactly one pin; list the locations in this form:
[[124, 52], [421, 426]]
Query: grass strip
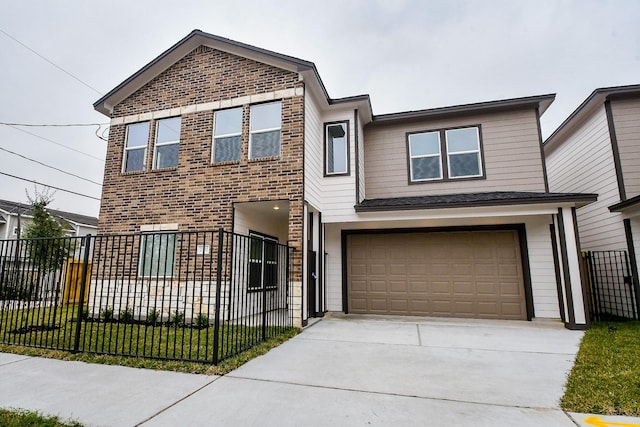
[[605, 378]]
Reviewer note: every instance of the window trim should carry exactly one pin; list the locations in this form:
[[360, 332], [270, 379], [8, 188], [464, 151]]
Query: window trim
[[141, 147], [227, 135], [439, 156], [326, 151], [264, 237], [141, 262], [157, 144], [266, 130], [444, 161]]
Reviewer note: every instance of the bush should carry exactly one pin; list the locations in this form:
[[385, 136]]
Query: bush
[[126, 315], [178, 318], [153, 316], [106, 314], [201, 320]]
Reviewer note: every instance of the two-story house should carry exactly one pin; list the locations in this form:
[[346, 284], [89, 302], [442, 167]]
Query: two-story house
[[597, 150], [441, 212]]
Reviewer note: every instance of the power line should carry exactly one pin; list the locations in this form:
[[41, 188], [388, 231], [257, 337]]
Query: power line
[[49, 166], [56, 143], [50, 186], [50, 62], [53, 124], [99, 127]]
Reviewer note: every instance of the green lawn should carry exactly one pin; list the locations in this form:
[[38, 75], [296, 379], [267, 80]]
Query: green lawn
[[22, 418], [148, 344], [606, 376]]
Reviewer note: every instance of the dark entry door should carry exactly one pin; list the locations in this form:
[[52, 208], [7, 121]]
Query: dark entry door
[[312, 284]]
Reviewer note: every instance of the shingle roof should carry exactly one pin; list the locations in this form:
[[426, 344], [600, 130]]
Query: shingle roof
[[459, 200], [25, 209]]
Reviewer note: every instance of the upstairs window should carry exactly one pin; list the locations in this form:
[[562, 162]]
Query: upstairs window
[[135, 150], [463, 149], [337, 149], [227, 135], [445, 154], [266, 121], [425, 156], [167, 143]]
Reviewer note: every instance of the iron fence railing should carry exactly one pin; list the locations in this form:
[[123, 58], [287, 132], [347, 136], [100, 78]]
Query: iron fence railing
[[611, 289], [196, 296]]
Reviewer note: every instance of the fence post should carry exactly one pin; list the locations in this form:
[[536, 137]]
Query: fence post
[[83, 284], [216, 327]]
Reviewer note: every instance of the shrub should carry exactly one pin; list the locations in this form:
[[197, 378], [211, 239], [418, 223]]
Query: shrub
[[201, 320], [153, 316], [106, 313], [178, 318], [126, 315]]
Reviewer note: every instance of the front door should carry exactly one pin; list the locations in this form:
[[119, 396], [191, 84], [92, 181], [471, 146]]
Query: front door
[[312, 287]]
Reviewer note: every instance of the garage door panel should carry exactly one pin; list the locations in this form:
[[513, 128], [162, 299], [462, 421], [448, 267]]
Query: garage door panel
[[462, 274]]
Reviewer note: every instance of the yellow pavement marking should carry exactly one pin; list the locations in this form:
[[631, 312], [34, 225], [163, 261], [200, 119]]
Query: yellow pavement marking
[[599, 422]]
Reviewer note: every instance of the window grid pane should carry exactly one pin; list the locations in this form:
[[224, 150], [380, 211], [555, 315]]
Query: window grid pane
[[134, 159], [424, 152], [168, 130], [167, 156], [226, 149], [463, 150], [425, 168], [463, 165], [266, 121], [228, 122], [336, 149], [137, 134]]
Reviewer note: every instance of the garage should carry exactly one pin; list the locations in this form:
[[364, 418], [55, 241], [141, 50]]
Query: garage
[[472, 274]]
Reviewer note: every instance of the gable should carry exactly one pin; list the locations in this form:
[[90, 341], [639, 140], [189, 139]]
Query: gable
[[205, 75]]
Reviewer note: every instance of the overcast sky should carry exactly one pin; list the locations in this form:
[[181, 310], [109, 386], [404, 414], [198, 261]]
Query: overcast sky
[[406, 55]]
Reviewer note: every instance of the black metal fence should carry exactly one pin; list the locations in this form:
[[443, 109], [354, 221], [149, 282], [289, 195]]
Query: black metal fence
[[612, 293], [197, 296]]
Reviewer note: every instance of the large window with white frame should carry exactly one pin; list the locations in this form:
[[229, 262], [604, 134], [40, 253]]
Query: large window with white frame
[[227, 135], [264, 133], [135, 148], [336, 136], [445, 154], [167, 143]]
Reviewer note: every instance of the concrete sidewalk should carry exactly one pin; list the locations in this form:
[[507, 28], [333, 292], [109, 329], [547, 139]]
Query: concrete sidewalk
[[341, 371]]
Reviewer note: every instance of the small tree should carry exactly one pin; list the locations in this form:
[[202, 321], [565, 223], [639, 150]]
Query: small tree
[[49, 254]]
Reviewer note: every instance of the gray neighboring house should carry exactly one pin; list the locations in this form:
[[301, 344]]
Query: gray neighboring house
[[597, 150], [75, 225]]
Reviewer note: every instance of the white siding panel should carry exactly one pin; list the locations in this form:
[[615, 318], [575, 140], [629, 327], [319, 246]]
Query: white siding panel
[[543, 276], [313, 162], [361, 177], [333, 267], [626, 118], [584, 164]]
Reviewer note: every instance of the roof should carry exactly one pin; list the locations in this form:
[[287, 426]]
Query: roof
[[460, 200], [25, 209], [597, 98], [199, 38], [626, 204], [541, 102]]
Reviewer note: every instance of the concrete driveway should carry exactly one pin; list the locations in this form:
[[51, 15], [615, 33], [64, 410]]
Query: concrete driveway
[[396, 371], [341, 371]]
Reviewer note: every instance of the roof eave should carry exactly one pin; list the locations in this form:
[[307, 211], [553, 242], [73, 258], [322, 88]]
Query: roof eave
[[542, 102], [578, 200], [595, 99]]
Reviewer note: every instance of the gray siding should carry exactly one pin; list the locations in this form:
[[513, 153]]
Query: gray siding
[[583, 163], [626, 119], [511, 156]]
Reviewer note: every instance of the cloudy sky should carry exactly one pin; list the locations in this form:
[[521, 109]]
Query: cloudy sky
[[406, 55]]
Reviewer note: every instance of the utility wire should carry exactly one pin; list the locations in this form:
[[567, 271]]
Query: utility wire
[[56, 143], [50, 62], [50, 186], [99, 127], [53, 125], [51, 167]]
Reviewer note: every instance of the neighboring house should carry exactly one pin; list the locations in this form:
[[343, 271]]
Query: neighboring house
[[12, 213], [441, 212], [597, 150]]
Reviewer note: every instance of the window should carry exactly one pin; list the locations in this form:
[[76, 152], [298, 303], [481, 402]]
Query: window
[[167, 143], [227, 135], [266, 120], [337, 149], [445, 154], [463, 149], [424, 152], [157, 255], [263, 261], [135, 150]]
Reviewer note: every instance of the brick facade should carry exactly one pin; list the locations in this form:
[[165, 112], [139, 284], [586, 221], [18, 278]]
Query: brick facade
[[199, 195]]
